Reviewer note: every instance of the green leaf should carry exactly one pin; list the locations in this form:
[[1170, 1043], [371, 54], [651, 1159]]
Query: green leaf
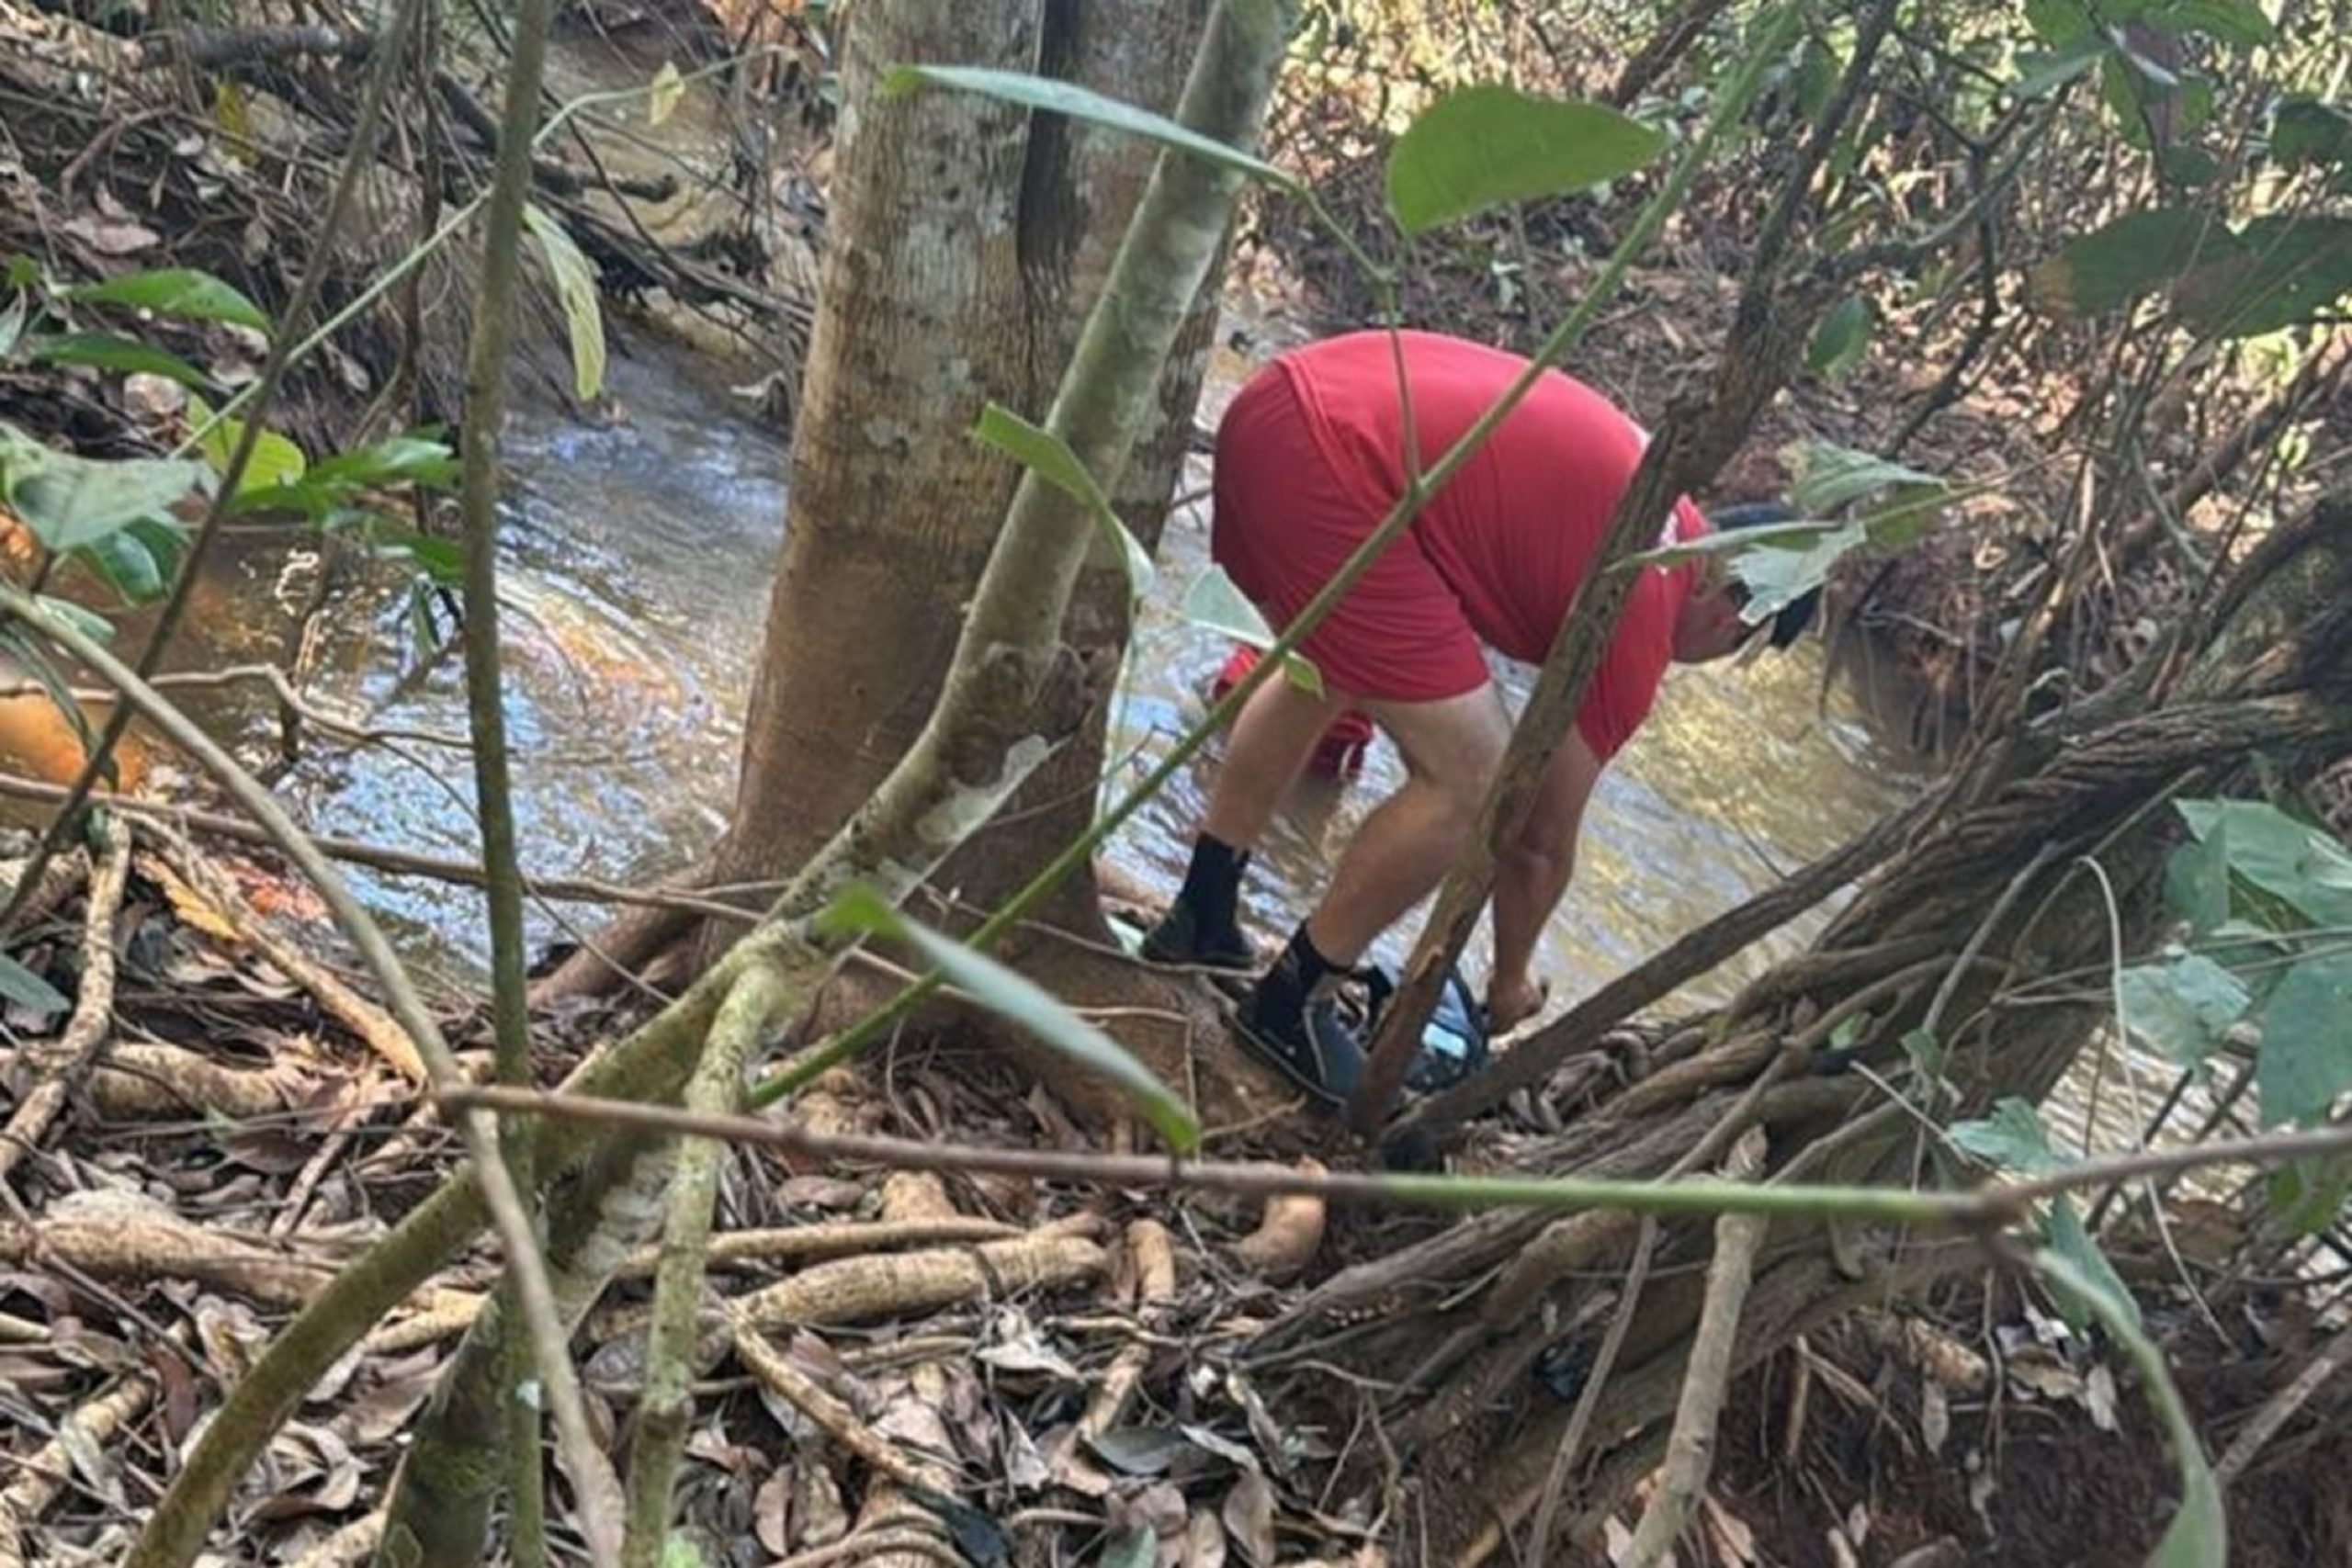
[[2063, 1227], [1048, 457], [1777, 578], [2197, 881], [275, 461], [418, 457], [2309, 131], [663, 94], [1841, 339], [2198, 1536], [2302, 866], [438, 561], [2183, 1007], [2127, 259], [1217, 603], [2010, 1138], [27, 989], [124, 563], [181, 292], [1483, 146], [680, 1549], [104, 351], [2239, 23], [2042, 74], [1831, 478], [2060, 23], [1065, 97], [2281, 272], [1015, 996], [90, 624], [575, 291], [70, 502], [2307, 1196], [2305, 1062], [1134, 1547]]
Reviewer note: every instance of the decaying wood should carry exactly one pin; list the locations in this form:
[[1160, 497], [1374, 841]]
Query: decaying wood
[[51, 1071], [846, 1238]]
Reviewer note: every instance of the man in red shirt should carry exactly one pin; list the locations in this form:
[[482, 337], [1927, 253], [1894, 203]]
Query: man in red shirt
[[1309, 457]]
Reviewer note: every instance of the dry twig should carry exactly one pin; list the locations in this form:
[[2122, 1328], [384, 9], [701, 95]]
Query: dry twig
[[55, 1069]]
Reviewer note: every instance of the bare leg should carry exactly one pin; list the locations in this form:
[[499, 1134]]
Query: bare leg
[[1452, 750], [1273, 737]]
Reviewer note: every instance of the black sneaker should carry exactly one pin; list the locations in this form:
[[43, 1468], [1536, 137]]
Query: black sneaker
[[1311, 1045], [1178, 939]]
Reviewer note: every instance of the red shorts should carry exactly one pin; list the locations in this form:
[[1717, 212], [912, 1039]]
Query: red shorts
[[1285, 519]]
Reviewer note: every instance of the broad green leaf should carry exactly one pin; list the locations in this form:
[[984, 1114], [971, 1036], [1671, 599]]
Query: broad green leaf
[[1065, 97], [1022, 1001], [2239, 23], [1798, 536], [2059, 23], [2307, 1196], [1831, 478], [2127, 259], [104, 351], [2281, 272], [1048, 457], [70, 502], [275, 461], [1217, 603], [663, 94], [181, 292], [2183, 1007], [89, 623], [124, 563], [2063, 1227], [27, 989], [2305, 1062], [2010, 1138], [419, 458], [2309, 130], [2041, 74], [2198, 1536], [1777, 578], [575, 291], [1480, 147], [2301, 865], [2196, 881], [1841, 339], [440, 560]]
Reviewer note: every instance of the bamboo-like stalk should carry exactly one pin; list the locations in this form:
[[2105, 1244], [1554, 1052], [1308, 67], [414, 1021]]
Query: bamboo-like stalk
[[479, 486], [667, 1406]]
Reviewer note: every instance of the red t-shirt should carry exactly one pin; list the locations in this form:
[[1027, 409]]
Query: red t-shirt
[[1512, 531]]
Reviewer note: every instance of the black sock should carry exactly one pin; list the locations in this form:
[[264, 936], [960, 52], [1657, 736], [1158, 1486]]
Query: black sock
[[1292, 978], [1213, 886]]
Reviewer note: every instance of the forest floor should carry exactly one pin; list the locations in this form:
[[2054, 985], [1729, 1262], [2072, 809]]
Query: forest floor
[[1074, 1367]]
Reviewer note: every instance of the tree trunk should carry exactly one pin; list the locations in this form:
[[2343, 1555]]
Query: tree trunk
[[968, 247]]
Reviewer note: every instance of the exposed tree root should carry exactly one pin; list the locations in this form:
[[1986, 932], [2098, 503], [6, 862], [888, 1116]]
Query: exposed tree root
[[864, 1289], [154, 1082], [1150, 1261], [42, 1475], [846, 1238], [54, 1069]]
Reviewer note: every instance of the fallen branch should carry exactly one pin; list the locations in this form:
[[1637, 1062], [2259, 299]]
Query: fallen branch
[[40, 1477], [144, 1081], [836, 1419], [1991, 1206], [374, 1027], [114, 1238], [55, 1069], [377, 857], [2282, 1408], [1689, 1451]]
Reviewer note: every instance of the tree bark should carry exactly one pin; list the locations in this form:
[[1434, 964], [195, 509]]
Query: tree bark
[[968, 244]]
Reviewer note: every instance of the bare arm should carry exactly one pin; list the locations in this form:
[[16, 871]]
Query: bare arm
[[1533, 876]]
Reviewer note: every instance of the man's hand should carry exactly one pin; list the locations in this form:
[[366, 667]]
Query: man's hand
[[1512, 1001]]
